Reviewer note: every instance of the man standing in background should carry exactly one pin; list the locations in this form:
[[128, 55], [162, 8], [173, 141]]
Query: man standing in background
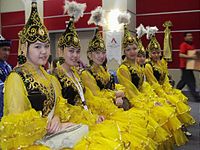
[[187, 77], [5, 68]]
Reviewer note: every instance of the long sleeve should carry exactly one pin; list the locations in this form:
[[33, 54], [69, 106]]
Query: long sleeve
[[124, 78], [153, 81], [21, 125], [89, 82], [132, 93], [1, 98]]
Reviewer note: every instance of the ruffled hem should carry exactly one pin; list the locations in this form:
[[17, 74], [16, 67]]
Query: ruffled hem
[[21, 130]]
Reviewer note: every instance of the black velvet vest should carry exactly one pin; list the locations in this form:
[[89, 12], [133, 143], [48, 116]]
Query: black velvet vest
[[41, 98], [69, 90], [135, 78], [109, 85], [160, 77]]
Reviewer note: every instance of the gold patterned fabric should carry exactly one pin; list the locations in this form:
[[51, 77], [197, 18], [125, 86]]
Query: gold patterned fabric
[[34, 30], [128, 39], [153, 45], [70, 37], [141, 49], [37, 90], [97, 43]]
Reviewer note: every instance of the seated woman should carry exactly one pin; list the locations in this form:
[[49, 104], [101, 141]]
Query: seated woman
[[101, 86], [33, 108], [131, 75], [157, 76], [86, 104]]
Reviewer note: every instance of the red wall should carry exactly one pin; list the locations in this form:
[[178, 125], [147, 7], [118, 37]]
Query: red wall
[[54, 19], [12, 23], [185, 16]]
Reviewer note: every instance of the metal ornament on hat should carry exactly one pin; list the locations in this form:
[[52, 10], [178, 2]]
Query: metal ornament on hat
[[70, 37], [153, 44], [97, 43], [128, 38], [140, 30]]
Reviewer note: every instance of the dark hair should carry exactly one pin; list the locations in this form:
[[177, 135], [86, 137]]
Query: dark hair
[[61, 60], [105, 64], [185, 33], [123, 57]]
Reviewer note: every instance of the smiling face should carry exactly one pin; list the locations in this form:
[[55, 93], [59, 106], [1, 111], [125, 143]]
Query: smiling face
[[97, 57], [141, 59], [131, 52], [155, 55], [71, 56], [38, 53]]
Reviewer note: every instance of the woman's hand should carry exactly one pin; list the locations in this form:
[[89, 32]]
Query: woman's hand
[[119, 94], [100, 119], [66, 125], [119, 101], [54, 125]]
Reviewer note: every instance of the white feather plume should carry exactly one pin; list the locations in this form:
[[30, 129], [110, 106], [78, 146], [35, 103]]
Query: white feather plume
[[74, 9], [97, 16], [151, 31], [124, 18], [140, 31]]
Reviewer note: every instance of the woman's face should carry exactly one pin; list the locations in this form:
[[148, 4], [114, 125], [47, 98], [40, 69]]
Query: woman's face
[[155, 55], [38, 53], [71, 55], [141, 59], [131, 52], [98, 57]]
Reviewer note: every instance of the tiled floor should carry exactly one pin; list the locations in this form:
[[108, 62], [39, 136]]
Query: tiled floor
[[194, 141]]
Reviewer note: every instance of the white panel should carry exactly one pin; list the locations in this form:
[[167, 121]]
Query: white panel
[[11, 5], [28, 8], [131, 5], [114, 4]]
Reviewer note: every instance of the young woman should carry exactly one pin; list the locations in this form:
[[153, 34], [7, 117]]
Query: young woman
[[157, 76], [101, 85], [33, 103], [85, 104]]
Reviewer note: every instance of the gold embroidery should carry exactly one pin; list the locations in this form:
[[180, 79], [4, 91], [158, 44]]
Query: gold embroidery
[[161, 68], [101, 74], [136, 69], [34, 81]]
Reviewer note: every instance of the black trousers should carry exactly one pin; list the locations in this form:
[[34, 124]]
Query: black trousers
[[187, 78]]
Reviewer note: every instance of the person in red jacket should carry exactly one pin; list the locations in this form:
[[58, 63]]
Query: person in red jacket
[[187, 77]]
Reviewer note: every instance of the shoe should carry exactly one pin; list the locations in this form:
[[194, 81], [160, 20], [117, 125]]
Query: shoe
[[187, 133]]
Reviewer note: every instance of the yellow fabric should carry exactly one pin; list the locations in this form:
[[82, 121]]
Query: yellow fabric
[[102, 104], [174, 96], [15, 99], [121, 137], [90, 82], [145, 98], [21, 125]]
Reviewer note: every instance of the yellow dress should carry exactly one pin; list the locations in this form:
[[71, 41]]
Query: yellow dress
[[141, 95], [99, 78], [21, 124], [122, 129], [157, 77]]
